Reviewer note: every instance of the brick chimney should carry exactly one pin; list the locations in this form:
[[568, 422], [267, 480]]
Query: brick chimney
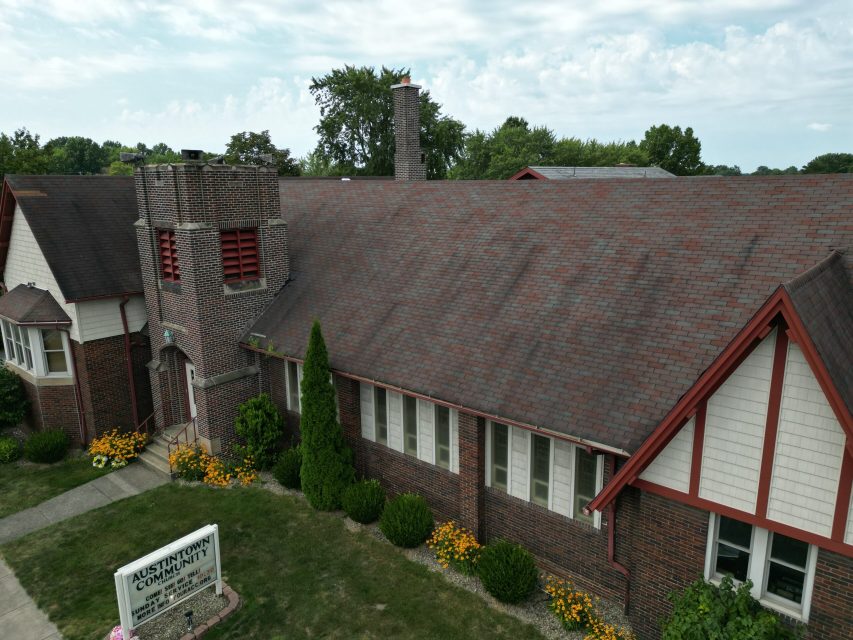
[[409, 160]]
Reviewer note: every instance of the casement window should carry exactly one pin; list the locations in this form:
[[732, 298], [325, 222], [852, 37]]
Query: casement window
[[293, 380], [410, 426], [540, 470], [551, 473], [781, 568], [442, 437], [54, 351], [500, 456], [170, 271], [42, 352], [380, 406], [240, 258]]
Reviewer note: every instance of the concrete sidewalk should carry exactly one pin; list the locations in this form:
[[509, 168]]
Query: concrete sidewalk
[[124, 483], [20, 618]]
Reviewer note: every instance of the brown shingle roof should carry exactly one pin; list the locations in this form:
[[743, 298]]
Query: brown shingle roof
[[28, 305], [585, 307], [84, 226], [823, 298]]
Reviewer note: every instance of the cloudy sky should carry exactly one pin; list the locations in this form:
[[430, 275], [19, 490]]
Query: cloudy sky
[[761, 82]]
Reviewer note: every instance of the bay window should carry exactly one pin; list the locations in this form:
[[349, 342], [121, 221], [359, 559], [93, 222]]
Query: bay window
[[54, 351], [41, 352], [781, 568]]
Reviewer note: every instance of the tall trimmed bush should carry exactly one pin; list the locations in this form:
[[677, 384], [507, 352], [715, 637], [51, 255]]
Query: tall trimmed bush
[[14, 403], [326, 459], [705, 610], [260, 424], [407, 520], [508, 571], [364, 501]]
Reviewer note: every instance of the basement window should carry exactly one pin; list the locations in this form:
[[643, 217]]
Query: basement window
[[240, 258], [170, 271]]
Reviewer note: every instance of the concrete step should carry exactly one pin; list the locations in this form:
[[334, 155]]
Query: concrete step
[[156, 456]]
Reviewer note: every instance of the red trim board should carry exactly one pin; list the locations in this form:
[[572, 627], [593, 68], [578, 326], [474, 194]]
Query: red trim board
[[771, 428], [842, 502], [527, 171], [698, 447]]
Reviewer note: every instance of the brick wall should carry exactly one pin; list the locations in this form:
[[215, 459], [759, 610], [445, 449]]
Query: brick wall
[[831, 616], [207, 316], [53, 407], [407, 133]]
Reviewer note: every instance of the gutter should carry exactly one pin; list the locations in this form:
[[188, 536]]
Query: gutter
[[130, 380], [590, 445], [611, 542], [80, 413]]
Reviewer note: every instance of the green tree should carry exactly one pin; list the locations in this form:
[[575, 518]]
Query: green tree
[[514, 145], [767, 171], [261, 425], [22, 153], [356, 125], [248, 147], [721, 170], [326, 459], [674, 150], [75, 155], [830, 163]]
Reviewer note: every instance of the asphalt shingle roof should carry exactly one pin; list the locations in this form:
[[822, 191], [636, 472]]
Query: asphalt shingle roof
[[585, 307], [574, 173], [84, 226], [28, 305]]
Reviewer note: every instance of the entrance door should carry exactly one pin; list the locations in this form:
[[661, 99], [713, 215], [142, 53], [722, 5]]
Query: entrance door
[[190, 367]]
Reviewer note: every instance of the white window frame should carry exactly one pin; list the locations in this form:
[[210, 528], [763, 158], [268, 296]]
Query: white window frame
[[287, 386], [417, 454], [759, 567], [435, 408], [599, 478], [387, 417], [36, 349]]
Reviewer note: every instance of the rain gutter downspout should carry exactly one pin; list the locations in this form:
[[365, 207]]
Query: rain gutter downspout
[[80, 413], [611, 540], [130, 380]]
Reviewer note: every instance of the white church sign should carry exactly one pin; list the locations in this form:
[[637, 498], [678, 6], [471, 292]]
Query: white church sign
[[157, 582]]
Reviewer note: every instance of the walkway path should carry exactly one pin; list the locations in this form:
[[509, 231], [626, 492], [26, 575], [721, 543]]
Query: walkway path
[[20, 618], [124, 483]]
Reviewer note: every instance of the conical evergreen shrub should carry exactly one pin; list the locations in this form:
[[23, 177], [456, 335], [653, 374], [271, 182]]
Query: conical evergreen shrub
[[327, 468]]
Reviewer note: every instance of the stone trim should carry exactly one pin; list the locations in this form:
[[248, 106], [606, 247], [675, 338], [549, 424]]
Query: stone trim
[[233, 605], [222, 378]]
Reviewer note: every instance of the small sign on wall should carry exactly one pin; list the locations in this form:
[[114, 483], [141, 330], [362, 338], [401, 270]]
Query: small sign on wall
[[166, 577]]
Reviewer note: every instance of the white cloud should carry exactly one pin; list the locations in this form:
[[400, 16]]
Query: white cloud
[[819, 126]]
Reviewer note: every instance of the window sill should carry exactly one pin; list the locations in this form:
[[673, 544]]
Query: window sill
[[234, 287], [51, 380]]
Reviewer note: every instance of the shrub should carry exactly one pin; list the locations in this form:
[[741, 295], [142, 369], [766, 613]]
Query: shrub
[[705, 610], [364, 501], [455, 547], [10, 450], [508, 571], [260, 423], [288, 467], [13, 400], [407, 520], [326, 459], [46, 446]]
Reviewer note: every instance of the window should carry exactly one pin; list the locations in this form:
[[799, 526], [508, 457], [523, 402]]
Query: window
[[9, 340], [54, 351], [169, 269], [586, 483], [442, 437], [240, 254], [781, 568], [410, 425], [380, 405], [500, 456], [23, 351], [540, 469], [293, 384]]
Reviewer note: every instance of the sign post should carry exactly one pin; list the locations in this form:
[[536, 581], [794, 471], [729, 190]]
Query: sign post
[[166, 577]]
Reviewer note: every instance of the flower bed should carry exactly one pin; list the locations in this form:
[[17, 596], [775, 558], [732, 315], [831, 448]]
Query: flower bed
[[193, 463], [455, 546], [116, 448], [576, 610]]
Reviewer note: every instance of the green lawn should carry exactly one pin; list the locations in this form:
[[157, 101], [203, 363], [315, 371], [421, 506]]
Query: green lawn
[[26, 485], [300, 573]]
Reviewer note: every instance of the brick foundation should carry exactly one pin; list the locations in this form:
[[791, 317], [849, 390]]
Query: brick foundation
[[53, 407]]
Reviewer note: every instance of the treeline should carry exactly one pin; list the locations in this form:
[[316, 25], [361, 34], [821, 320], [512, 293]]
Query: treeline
[[23, 153], [356, 137]]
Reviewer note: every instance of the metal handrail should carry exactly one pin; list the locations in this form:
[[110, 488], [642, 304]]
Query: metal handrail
[[145, 426], [176, 440]]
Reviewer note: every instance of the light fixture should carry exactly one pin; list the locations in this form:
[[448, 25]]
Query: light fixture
[[189, 616], [169, 336]]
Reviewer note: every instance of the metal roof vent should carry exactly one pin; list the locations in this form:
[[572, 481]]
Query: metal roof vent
[[191, 155]]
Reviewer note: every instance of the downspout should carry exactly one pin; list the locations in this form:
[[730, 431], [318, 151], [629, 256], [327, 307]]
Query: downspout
[[80, 413], [130, 380], [611, 540]]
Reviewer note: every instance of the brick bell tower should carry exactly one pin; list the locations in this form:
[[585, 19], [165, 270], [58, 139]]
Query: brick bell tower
[[213, 253]]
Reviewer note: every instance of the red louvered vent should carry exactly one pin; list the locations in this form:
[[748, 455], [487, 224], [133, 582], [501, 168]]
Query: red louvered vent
[[171, 272], [240, 254]]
